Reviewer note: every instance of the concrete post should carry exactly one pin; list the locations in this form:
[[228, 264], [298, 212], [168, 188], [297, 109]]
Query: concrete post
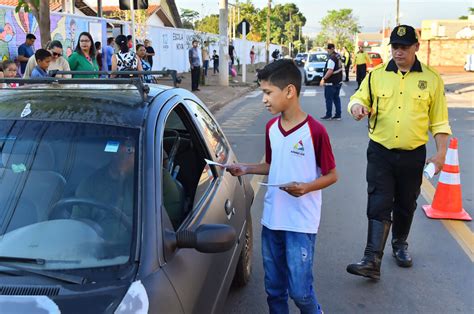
[[223, 44]]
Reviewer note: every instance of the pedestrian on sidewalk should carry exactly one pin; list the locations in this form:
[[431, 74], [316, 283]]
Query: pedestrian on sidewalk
[[332, 82], [252, 57], [298, 153], [58, 62], [232, 52], [361, 61], [25, 51], [205, 57], [406, 98], [43, 59], [346, 58], [195, 63], [215, 60], [83, 57], [150, 52], [109, 52], [125, 59]]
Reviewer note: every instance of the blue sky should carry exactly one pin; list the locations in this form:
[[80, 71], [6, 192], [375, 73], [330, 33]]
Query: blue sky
[[369, 12]]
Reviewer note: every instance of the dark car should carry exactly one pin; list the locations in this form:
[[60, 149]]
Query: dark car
[[300, 59], [108, 205]]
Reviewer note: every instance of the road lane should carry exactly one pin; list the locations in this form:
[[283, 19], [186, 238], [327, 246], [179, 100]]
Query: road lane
[[441, 279]]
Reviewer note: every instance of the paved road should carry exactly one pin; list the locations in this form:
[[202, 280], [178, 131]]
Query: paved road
[[442, 278]]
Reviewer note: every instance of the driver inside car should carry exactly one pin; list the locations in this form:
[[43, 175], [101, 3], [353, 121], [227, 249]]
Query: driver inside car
[[113, 186]]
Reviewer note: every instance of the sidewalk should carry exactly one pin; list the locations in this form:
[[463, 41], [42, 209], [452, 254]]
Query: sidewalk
[[215, 96]]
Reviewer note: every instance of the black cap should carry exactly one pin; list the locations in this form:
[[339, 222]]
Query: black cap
[[403, 35], [330, 46]]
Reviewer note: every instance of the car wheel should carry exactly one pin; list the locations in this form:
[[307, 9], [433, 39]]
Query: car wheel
[[244, 266]]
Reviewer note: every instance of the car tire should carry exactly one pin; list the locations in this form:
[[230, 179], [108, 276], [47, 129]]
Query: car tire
[[244, 265]]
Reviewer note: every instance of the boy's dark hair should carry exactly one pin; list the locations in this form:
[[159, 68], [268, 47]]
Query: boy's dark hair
[[281, 73], [42, 54], [98, 45], [110, 40], [30, 36]]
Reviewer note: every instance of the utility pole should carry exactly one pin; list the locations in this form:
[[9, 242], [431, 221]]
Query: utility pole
[[269, 7], [223, 45], [398, 13]]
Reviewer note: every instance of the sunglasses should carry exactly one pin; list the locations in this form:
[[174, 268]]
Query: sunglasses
[[55, 54]]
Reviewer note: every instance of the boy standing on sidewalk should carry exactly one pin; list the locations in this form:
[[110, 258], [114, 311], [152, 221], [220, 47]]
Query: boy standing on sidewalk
[[298, 155], [43, 59]]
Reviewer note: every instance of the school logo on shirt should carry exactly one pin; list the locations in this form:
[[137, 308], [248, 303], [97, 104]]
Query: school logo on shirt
[[298, 148], [422, 84]]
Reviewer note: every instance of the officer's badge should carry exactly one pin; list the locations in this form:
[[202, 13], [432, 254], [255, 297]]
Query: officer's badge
[[422, 84], [401, 31]]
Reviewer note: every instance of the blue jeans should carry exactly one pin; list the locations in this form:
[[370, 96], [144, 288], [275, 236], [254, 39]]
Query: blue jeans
[[206, 66], [331, 94], [288, 265]]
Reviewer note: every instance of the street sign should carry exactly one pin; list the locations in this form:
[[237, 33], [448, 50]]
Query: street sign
[[240, 26]]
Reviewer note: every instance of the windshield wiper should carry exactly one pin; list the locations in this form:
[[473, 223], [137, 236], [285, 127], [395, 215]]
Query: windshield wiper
[[7, 260]]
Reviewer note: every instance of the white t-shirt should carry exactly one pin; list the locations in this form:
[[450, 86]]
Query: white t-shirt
[[301, 154]]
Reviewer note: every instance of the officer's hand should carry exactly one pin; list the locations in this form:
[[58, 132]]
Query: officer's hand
[[438, 161], [359, 111], [321, 82], [297, 189]]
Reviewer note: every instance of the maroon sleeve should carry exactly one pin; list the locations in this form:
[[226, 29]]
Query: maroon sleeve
[[268, 146], [322, 147]]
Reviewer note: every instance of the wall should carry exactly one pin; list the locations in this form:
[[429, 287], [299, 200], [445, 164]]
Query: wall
[[171, 44], [448, 52]]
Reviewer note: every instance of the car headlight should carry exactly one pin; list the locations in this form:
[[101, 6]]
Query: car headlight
[[311, 69], [135, 300]]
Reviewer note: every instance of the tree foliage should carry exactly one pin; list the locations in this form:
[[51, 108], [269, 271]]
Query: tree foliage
[[465, 17], [209, 24], [338, 27], [40, 10], [189, 18]]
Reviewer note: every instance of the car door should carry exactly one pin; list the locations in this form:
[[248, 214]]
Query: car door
[[199, 279]]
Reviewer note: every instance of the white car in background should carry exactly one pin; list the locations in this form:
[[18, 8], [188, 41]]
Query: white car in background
[[314, 67]]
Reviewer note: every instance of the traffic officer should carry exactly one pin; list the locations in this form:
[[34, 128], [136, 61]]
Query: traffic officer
[[332, 81], [346, 58], [403, 100], [361, 61]]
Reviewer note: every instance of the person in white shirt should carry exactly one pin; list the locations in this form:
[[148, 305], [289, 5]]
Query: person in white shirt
[[299, 160], [58, 62]]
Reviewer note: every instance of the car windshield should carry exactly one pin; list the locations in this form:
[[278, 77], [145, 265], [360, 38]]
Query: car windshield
[[68, 193], [320, 57], [374, 55]]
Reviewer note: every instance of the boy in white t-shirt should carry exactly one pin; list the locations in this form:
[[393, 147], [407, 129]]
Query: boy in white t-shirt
[[298, 155]]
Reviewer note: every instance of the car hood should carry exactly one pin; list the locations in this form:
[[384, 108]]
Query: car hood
[[316, 64]]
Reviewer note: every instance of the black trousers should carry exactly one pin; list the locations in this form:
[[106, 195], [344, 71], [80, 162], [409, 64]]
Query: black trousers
[[195, 73], [361, 72], [393, 181], [347, 71]]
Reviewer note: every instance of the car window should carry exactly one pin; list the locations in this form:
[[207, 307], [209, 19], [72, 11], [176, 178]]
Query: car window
[[211, 132], [374, 56], [67, 192], [186, 177], [320, 57]]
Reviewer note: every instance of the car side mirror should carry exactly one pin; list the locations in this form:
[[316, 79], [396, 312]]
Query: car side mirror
[[215, 238]]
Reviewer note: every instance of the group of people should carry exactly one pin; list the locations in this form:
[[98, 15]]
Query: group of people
[[403, 100], [88, 56]]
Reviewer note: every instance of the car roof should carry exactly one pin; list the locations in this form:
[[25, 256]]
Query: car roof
[[121, 104]]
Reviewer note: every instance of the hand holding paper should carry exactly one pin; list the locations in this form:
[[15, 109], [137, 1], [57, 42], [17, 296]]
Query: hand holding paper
[[213, 163]]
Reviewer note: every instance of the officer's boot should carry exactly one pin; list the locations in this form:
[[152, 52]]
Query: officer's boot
[[369, 266], [400, 229]]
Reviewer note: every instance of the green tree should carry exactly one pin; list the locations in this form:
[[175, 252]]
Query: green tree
[[40, 10], [209, 24], [338, 27], [189, 17], [465, 17]]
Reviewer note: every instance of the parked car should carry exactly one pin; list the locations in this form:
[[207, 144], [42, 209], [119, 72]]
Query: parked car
[[314, 67], [108, 205], [300, 59], [375, 58]]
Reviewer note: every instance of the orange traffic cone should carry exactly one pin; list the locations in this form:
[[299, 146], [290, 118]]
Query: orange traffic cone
[[447, 202]]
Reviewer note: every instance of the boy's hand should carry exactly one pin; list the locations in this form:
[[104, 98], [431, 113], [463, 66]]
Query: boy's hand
[[297, 189], [237, 170]]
